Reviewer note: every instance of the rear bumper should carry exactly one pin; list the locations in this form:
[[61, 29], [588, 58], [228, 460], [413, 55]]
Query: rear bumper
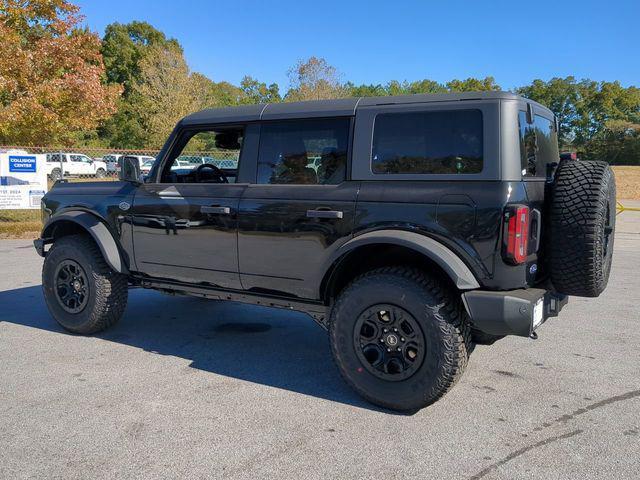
[[514, 312]]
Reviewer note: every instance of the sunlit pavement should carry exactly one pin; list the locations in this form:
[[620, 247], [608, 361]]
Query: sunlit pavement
[[183, 387]]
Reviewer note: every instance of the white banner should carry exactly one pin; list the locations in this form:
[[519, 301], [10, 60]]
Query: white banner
[[23, 180]]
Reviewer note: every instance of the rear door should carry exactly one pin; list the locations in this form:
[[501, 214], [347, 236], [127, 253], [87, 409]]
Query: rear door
[[301, 207]]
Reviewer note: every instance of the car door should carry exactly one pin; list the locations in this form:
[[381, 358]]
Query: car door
[[80, 164], [301, 207], [185, 228]]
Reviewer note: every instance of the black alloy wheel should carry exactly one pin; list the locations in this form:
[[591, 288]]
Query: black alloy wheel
[[71, 286], [389, 342]]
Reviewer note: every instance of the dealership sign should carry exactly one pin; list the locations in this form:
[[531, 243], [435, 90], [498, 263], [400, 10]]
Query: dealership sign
[[23, 180], [20, 163]]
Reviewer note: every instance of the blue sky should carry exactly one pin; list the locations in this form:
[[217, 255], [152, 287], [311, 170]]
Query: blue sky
[[374, 42]]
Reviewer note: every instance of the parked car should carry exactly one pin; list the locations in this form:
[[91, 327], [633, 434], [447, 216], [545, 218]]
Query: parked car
[[429, 224], [146, 166], [111, 160], [74, 164], [141, 159]]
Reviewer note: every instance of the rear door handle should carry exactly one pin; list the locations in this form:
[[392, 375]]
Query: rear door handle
[[218, 210], [324, 214]]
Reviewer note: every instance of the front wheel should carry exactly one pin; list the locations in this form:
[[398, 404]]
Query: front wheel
[[399, 337], [81, 292]]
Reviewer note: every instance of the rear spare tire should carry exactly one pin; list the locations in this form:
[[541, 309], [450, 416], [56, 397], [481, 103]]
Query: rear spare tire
[[582, 226]]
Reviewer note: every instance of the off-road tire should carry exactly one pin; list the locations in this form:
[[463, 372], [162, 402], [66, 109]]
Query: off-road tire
[[107, 292], [582, 227], [56, 174], [439, 313]]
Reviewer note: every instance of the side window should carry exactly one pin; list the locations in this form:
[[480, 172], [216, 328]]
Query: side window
[[55, 157], [434, 142], [76, 158], [207, 156], [538, 145], [304, 152]]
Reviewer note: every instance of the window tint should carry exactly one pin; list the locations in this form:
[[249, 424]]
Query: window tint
[[304, 152], [55, 157], [208, 156], [538, 145], [440, 142]]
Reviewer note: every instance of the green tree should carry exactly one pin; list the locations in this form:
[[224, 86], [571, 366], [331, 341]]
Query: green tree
[[473, 85], [618, 141], [255, 91], [165, 91], [364, 90], [426, 86], [561, 96], [314, 79], [125, 45]]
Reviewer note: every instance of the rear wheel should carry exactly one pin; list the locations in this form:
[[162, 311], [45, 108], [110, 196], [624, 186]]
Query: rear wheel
[[101, 173], [400, 338], [82, 293], [582, 227]]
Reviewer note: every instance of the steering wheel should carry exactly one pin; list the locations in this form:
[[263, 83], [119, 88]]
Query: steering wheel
[[219, 174]]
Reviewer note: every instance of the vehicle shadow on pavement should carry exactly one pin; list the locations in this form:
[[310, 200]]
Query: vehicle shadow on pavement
[[273, 347]]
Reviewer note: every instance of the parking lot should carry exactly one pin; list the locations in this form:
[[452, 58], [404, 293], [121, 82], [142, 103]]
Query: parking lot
[[184, 387]]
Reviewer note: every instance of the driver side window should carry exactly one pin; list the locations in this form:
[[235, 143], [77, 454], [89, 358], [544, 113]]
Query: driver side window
[[206, 156]]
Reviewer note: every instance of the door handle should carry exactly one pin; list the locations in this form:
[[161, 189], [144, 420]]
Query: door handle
[[218, 210], [324, 214]]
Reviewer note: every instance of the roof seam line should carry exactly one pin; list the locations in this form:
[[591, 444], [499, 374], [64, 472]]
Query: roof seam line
[[263, 109]]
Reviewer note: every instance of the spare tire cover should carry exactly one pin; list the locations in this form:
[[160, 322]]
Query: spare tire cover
[[581, 227]]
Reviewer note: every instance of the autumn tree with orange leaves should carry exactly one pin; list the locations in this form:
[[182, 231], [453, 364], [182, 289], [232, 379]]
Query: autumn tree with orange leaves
[[51, 74]]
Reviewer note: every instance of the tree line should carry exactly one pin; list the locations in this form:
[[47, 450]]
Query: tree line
[[62, 84]]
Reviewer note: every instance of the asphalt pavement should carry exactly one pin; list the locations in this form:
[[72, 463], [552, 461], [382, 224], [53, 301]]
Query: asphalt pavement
[[190, 388]]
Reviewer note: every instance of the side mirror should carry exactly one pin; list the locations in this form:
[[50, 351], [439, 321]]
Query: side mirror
[[129, 169]]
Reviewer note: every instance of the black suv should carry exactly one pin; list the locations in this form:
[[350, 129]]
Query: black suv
[[411, 228]]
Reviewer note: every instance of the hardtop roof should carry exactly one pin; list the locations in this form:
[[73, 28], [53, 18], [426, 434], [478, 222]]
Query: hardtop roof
[[333, 108]]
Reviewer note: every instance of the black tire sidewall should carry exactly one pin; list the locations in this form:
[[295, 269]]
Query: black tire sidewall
[[413, 392], [69, 248]]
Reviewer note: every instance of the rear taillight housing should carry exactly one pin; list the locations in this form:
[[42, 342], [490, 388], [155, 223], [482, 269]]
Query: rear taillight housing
[[516, 234]]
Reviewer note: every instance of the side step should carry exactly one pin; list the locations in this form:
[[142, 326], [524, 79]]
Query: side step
[[316, 310]]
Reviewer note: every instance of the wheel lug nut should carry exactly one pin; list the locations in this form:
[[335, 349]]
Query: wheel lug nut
[[399, 349], [402, 339], [388, 349], [385, 330], [382, 339], [395, 329]]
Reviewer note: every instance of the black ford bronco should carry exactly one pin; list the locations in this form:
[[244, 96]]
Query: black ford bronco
[[412, 228]]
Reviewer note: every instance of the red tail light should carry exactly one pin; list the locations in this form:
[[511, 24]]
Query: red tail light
[[516, 239]]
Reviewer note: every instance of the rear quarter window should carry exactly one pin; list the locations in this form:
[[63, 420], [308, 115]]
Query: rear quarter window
[[434, 142], [538, 145]]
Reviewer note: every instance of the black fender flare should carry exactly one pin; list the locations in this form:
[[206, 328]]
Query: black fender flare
[[449, 261], [97, 229]]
